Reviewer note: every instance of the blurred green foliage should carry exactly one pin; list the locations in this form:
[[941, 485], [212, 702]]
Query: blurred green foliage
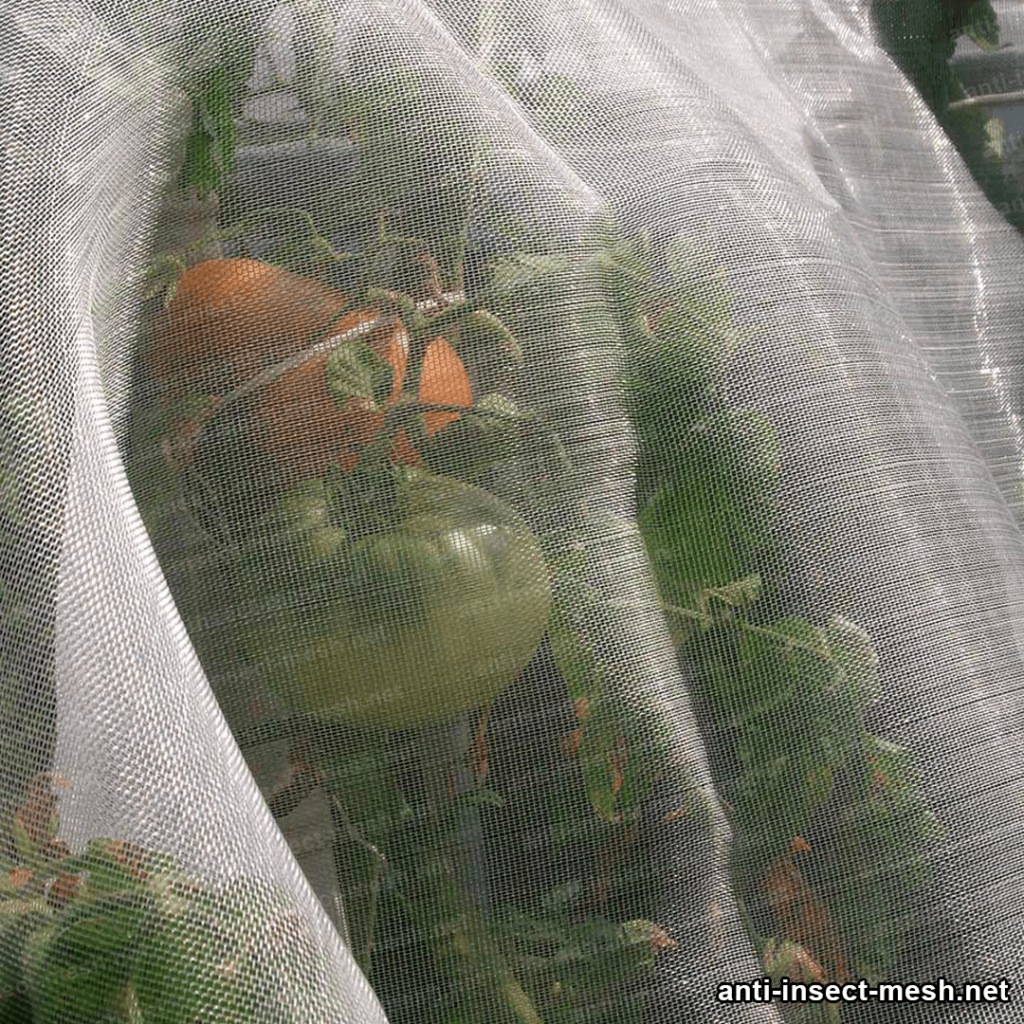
[[30, 540], [782, 699], [226, 62], [921, 37], [118, 933]]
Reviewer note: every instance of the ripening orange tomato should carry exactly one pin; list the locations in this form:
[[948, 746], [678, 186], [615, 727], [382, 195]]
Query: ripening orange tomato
[[231, 318]]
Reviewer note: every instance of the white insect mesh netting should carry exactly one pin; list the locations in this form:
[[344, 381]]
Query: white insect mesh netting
[[509, 512]]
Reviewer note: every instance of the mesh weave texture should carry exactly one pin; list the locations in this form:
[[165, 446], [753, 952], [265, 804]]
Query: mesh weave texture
[[509, 512]]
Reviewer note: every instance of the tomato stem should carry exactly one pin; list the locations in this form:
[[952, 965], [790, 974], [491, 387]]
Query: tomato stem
[[439, 746], [365, 958]]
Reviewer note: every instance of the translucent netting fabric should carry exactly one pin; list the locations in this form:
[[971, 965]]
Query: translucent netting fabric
[[625, 597]]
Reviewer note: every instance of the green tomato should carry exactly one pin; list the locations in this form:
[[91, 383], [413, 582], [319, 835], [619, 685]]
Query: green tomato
[[400, 628]]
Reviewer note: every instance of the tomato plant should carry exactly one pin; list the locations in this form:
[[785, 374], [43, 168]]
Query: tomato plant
[[344, 471], [119, 932]]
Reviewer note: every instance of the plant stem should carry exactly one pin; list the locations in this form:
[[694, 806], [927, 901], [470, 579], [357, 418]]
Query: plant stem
[[442, 747], [365, 957]]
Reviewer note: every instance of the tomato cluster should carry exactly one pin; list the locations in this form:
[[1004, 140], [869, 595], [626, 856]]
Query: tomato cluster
[[380, 593]]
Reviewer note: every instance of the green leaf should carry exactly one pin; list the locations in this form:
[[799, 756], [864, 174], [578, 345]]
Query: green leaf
[[486, 344], [710, 523], [68, 983], [511, 273], [232, 956], [749, 441], [174, 895], [693, 538], [355, 371], [100, 934], [480, 798], [738, 594], [177, 977], [855, 657], [786, 959], [23, 845], [480, 439], [562, 898], [625, 271], [599, 782], [210, 146], [689, 350], [18, 918], [105, 926], [784, 664], [982, 25], [573, 656], [304, 514], [105, 860], [780, 692]]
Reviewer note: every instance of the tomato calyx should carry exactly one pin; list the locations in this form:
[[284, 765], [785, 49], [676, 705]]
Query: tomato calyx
[[371, 531], [299, 379], [365, 501]]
